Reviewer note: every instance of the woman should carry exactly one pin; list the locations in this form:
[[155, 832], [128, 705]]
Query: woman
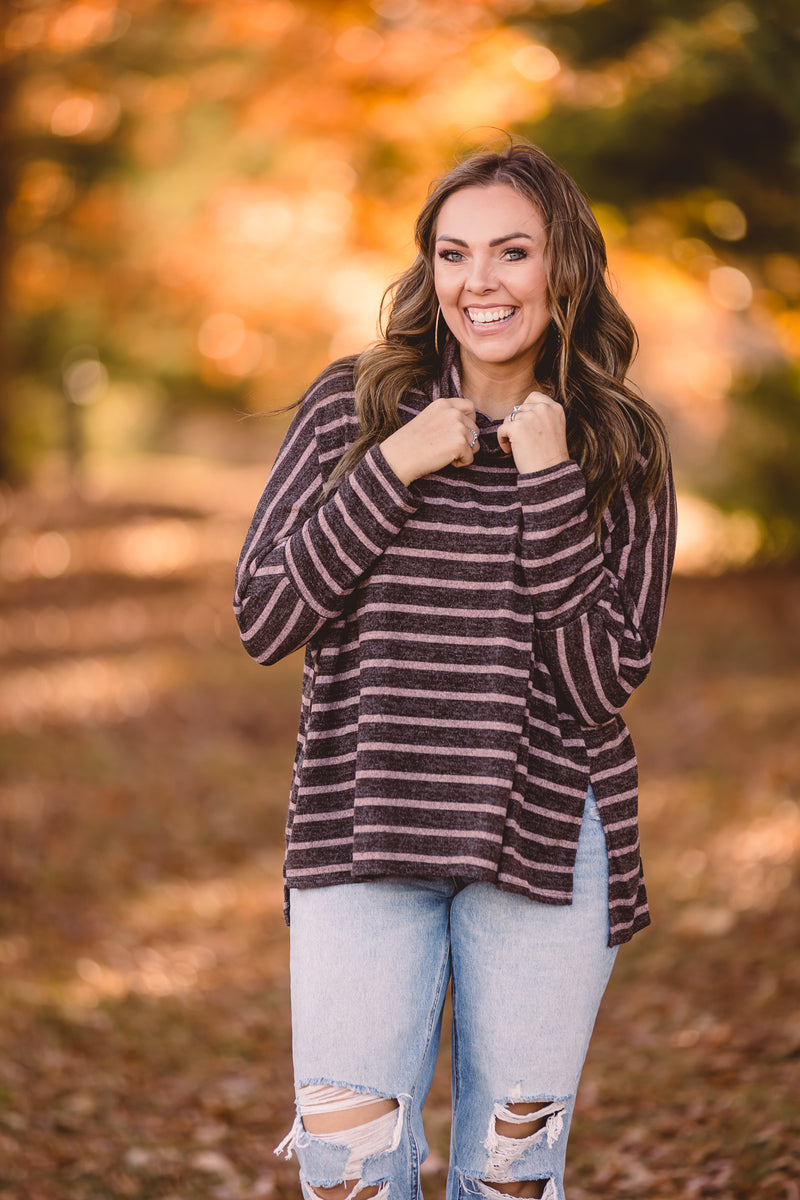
[[470, 527]]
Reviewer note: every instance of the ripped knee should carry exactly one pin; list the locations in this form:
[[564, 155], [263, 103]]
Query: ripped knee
[[355, 1125], [516, 1128], [523, 1120], [326, 1109]]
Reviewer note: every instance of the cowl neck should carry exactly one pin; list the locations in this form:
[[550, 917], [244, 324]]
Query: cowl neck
[[448, 383]]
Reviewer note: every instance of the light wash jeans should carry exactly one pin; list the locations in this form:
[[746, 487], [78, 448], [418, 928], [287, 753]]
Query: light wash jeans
[[370, 964]]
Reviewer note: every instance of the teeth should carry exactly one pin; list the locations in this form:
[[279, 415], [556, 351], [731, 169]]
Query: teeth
[[487, 316]]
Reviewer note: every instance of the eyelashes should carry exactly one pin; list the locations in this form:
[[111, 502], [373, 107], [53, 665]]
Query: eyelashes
[[510, 254]]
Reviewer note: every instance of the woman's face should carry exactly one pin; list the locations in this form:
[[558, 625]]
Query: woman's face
[[489, 274]]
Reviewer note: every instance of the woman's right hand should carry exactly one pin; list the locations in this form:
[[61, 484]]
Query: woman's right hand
[[444, 432]]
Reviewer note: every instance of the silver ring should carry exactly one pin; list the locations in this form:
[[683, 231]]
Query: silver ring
[[474, 438], [512, 416]]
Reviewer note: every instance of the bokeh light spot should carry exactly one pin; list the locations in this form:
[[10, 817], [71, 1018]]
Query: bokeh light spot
[[85, 380], [83, 24], [221, 335], [248, 356], [536, 63], [711, 542], [51, 554], [737, 17], [726, 220], [731, 288], [782, 271], [157, 548], [24, 31], [92, 118], [394, 10]]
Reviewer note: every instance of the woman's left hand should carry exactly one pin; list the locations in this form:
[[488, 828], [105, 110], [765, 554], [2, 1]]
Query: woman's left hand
[[535, 433]]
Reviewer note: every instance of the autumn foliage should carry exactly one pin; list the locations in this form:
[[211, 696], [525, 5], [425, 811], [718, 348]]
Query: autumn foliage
[[203, 202]]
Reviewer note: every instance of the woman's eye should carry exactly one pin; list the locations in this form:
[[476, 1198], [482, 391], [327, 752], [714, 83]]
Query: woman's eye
[[515, 253], [450, 255]]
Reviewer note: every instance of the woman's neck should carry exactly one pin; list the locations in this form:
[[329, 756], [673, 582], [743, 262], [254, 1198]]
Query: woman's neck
[[494, 389]]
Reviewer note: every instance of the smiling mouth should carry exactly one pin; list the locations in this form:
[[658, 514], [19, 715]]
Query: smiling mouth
[[489, 316]]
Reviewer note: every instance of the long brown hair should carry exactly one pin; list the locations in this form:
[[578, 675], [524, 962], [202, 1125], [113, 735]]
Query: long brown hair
[[585, 356]]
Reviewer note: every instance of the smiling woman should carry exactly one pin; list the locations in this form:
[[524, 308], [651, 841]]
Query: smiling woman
[[491, 281], [493, 293], [582, 361], [471, 529]]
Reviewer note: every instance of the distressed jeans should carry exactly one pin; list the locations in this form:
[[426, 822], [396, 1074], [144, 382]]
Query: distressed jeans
[[370, 964]]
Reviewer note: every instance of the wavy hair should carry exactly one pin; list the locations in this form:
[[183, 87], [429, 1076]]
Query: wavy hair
[[584, 359]]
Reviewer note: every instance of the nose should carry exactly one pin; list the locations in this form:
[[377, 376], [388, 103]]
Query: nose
[[481, 276]]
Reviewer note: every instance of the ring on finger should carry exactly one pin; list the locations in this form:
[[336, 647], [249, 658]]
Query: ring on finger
[[512, 416], [474, 438]]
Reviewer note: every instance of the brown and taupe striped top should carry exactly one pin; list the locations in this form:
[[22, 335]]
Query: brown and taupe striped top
[[468, 651]]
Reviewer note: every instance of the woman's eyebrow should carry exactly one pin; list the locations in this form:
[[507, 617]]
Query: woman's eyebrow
[[508, 237]]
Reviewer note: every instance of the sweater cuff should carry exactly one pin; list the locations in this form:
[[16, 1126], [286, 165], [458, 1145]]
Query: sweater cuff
[[407, 499], [562, 560]]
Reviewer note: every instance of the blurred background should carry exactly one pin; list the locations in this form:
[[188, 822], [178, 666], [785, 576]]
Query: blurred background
[[202, 204]]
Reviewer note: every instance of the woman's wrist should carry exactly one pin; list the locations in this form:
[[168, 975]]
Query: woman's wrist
[[397, 461]]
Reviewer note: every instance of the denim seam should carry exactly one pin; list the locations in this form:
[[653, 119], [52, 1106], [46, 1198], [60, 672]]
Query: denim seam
[[455, 1073], [433, 1020]]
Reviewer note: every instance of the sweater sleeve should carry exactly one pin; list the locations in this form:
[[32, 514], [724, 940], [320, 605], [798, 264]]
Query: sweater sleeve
[[301, 559], [597, 610]]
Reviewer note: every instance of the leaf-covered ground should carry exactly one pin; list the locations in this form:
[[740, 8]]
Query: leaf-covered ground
[[144, 1025]]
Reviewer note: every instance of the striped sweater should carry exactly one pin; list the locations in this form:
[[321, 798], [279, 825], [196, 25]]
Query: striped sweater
[[468, 651]]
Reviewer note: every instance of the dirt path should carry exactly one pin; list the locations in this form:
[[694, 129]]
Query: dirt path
[[144, 1030]]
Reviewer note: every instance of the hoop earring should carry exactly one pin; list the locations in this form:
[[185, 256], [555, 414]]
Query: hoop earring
[[436, 330]]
